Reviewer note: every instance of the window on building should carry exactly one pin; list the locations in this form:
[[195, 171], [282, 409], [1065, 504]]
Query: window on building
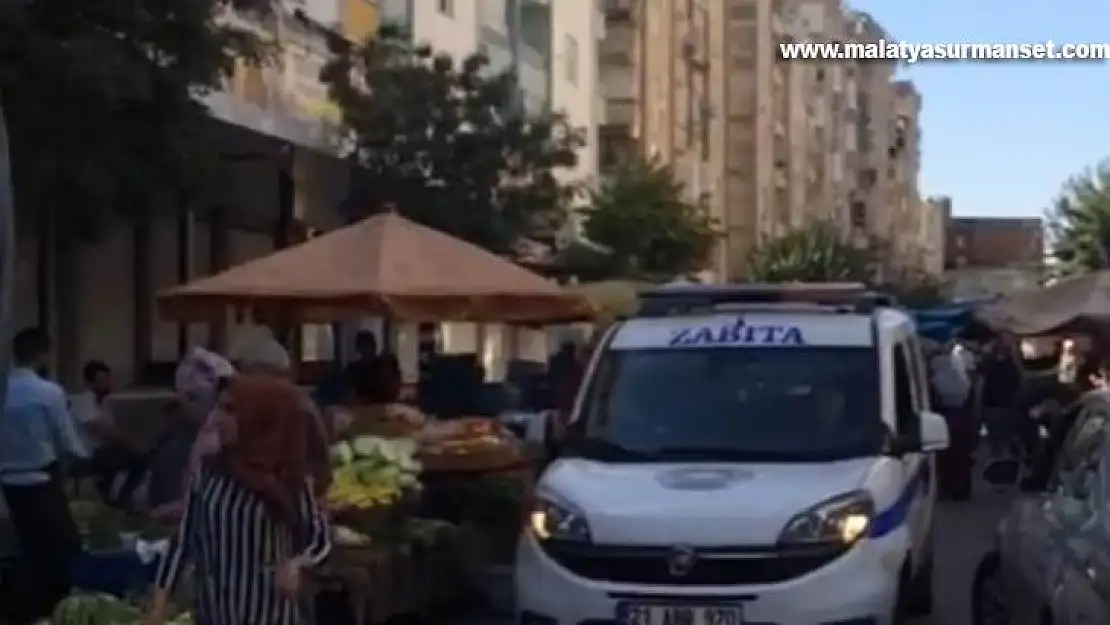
[[705, 117], [868, 177], [447, 7], [858, 214], [570, 59]]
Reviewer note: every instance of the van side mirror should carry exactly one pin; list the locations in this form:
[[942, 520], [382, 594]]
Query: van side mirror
[[934, 432]]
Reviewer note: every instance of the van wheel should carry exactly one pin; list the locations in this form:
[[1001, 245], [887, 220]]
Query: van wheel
[[915, 591], [919, 601]]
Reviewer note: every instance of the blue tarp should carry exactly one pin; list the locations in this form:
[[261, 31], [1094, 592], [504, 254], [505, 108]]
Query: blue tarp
[[943, 323]]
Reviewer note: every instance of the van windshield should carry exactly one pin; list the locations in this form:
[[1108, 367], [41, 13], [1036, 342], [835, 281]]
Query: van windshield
[[801, 404]]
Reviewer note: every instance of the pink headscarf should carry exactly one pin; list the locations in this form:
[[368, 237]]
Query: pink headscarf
[[199, 374], [196, 380]]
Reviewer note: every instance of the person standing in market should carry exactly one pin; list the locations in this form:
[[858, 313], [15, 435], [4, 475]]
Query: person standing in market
[[1001, 386], [251, 525], [37, 436], [113, 449], [950, 387], [375, 377]]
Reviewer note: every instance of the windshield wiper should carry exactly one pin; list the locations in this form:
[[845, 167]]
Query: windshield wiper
[[727, 454], [601, 449]]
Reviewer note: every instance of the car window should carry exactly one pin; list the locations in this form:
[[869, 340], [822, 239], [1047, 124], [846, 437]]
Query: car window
[[1079, 465], [798, 404], [917, 372], [905, 400]]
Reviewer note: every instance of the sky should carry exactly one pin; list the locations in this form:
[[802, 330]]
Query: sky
[[1002, 137]]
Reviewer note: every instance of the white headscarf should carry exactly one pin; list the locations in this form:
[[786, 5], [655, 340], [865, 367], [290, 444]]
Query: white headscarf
[[257, 347]]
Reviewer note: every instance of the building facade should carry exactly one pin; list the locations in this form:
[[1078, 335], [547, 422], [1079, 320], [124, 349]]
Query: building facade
[[810, 150], [869, 212], [661, 75], [553, 46], [937, 211], [769, 144], [994, 255], [907, 210]]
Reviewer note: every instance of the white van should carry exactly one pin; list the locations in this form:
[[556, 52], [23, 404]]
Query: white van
[[733, 458]]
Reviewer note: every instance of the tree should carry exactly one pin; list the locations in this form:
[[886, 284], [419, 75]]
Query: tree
[[102, 104], [448, 144], [816, 253], [653, 232], [106, 124], [1079, 222]]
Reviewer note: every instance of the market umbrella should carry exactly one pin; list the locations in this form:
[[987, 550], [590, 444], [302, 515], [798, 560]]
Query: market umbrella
[[385, 265], [1073, 303]]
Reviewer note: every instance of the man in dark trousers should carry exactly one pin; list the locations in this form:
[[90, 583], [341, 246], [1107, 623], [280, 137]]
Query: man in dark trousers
[[37, 434]]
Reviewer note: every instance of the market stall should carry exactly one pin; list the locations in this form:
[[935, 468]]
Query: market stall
[[1080, 304], [383, 266], [419, 503]]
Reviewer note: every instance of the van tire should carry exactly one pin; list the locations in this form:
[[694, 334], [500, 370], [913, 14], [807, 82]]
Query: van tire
[[919, 602], [915, 590]]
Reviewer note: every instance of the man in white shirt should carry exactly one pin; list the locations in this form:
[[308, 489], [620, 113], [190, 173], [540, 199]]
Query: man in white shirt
[[950, 379], [113, 451]]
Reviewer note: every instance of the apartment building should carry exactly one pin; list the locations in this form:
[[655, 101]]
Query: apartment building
[[662, 85], [552, 45], [808, 106], [990, 255], [907, 209], [874, 98], [799, 141], [934, 228], [689, 81]]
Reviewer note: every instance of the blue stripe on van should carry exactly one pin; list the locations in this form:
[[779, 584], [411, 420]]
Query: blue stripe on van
[[894, 516]]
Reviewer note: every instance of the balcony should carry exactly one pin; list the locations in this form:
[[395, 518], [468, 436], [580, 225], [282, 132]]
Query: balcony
[[531, 65], [618, 47], [535, 79], [620, 112], [619, 83], [617, 148], [617, 10], [397, 13]]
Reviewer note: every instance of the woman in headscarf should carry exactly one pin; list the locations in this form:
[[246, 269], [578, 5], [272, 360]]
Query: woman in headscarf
[[197, 384], [251, 524], [257, 353]]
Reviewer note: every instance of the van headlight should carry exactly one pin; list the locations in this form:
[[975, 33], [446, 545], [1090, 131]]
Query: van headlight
[[844, 519], [550, 519]]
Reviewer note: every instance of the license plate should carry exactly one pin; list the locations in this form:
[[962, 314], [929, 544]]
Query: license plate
[[629, 613]]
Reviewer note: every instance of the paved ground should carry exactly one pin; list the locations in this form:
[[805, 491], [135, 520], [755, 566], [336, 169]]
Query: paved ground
[[964, 533]]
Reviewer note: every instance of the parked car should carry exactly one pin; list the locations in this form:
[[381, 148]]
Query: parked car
[[1051, 561]]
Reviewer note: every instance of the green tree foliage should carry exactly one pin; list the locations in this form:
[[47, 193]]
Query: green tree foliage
[[446, 143], [815, 253], [101, 101], [642, 216], [1079, 222]]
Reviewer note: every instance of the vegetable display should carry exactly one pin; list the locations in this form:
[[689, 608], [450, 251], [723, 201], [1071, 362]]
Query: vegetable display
[[372, 472], [100, 609]]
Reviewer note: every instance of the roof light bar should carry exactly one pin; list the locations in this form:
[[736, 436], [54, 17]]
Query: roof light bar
[[673, 299]]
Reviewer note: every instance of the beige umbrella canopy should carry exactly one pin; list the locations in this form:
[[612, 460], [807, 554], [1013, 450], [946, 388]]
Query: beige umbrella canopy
[[1072, 303], [385, 265]]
